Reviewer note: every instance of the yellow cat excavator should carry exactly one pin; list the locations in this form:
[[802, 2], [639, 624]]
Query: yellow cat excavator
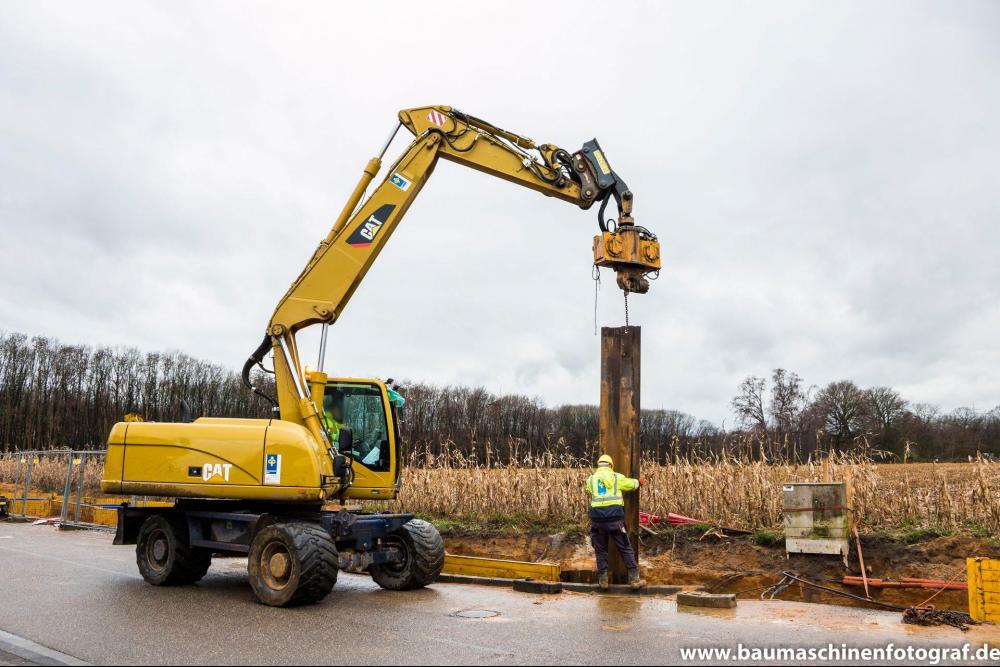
[[258, 487]]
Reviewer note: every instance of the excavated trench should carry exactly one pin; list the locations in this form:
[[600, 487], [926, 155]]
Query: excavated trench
[[740, 565]]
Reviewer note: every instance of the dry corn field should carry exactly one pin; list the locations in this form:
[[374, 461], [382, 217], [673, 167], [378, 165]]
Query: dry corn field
[[48, 473], [734, 493], [728, 491]]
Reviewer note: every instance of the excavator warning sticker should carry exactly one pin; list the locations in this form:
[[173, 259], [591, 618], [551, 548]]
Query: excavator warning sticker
[[437, 118], [602, 162], [365, 233], [272, 469], [400, 182]]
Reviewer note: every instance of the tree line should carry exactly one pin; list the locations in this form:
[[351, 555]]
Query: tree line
[[792, 421], [55, 395]]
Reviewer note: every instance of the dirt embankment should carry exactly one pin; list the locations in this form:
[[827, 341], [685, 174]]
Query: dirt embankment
[[740, 565]]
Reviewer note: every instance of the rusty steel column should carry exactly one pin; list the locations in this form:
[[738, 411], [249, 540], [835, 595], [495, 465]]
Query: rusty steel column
[[619, 418]]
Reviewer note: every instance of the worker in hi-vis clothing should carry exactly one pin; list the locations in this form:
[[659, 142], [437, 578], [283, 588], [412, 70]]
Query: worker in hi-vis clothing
[[333, 414], [607, 520]]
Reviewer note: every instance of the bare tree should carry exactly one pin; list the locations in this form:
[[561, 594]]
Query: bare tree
[[787, 401], [842, 405], [749, 404], [883, 406]]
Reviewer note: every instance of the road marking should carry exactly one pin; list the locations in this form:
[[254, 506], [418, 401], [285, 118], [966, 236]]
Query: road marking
[[35, 653]]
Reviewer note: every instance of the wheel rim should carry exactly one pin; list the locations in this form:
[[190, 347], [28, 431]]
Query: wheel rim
[[276, 566], [395, 543], [158, 550]]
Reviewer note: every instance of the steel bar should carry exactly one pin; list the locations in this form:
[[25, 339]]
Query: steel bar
[[27, 485], [619, 424], [79, 487], [67, 489]]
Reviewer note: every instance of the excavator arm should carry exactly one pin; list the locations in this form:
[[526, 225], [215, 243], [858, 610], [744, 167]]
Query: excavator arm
[[343, 257]]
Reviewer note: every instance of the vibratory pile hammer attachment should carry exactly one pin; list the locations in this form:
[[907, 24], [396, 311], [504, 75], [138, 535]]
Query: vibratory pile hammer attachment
[[631, 252]]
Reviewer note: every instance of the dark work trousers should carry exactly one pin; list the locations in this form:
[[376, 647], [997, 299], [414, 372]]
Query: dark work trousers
[[599, 534]]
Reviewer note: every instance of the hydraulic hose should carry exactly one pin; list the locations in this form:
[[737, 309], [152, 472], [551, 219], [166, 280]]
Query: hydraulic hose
[[255, 359]]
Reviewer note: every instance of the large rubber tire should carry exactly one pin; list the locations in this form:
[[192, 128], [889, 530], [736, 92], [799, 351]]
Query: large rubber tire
[[423, 559], [292, 564], [163, 555]]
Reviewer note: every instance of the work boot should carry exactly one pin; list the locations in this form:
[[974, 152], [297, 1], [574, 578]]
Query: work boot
[[602, 581], [635, 581]]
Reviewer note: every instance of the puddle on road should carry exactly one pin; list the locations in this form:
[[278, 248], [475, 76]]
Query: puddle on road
[[706, 611]]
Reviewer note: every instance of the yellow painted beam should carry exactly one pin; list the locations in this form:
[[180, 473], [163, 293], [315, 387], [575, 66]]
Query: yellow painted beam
[[494, 568], [984, 589]]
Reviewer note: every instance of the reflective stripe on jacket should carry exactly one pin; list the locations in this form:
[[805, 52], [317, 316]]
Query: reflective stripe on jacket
[[605, 489]]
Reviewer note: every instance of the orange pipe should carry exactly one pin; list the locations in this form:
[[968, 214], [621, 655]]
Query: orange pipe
[[906, 583]]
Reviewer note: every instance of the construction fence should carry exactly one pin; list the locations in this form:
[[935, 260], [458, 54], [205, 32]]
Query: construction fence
[[76, 506]]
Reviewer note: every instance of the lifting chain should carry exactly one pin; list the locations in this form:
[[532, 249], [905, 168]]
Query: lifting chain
[[626, 310], [597, 288]]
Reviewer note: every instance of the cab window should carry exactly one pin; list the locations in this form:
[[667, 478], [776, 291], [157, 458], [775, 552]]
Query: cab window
[[360, 407]]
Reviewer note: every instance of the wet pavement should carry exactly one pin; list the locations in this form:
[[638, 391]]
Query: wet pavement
[[12, 660], [76, 593]]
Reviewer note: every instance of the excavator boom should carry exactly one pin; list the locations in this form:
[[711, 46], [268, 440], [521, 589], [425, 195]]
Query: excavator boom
[[343, 257]]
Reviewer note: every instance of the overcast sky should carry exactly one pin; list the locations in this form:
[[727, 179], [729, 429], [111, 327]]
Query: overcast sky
[[823, 178]]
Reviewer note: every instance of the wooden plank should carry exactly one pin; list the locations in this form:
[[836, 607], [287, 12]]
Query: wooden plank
[[619, 423], [494, 568]]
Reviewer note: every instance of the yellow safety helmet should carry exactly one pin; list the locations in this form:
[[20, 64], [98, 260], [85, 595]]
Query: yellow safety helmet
[[606, 461]]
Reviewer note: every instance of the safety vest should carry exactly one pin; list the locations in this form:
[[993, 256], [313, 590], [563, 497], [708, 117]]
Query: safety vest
[[603, 488], [332, 425]]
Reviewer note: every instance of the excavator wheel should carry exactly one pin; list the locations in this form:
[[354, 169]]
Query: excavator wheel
[[163, 554], [292, 564], [423, 557]]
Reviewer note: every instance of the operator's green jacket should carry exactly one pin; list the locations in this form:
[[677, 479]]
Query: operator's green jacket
[[605, 489]]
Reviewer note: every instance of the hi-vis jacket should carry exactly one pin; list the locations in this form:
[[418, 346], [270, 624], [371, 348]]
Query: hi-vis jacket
[[605, 489], [332, 425]]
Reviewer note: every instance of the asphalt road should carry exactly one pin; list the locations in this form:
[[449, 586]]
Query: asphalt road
[[77, 594]]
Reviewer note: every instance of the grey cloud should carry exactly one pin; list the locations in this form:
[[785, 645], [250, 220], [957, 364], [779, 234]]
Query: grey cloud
[[823, 179]]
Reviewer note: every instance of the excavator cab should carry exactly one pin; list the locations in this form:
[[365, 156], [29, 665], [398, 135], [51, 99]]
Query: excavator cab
[[362, 421]]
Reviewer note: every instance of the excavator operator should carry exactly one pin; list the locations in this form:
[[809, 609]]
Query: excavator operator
[[333, 414], [367, 446]]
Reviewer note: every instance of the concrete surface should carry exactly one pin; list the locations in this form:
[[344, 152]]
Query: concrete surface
[[16, 650], [707, 600], [12, 660], [76, 593]]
